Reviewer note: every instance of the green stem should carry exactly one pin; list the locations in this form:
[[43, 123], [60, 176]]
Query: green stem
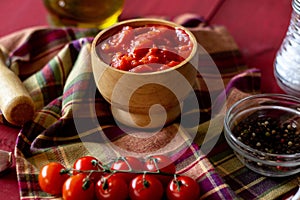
[[86, 183], [146, 183], [105, 184], [65, 171]]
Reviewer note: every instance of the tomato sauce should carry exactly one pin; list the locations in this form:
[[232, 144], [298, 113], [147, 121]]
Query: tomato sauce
[[146, 49]]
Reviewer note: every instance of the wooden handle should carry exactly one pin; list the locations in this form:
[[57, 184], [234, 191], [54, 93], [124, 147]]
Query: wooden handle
[[15, 102]]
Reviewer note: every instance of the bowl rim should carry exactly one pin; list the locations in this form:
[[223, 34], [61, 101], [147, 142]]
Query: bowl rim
[[228, 132], [148, 20], [274, 163]]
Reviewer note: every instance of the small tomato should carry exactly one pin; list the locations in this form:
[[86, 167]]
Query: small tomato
[[145, 187], [128, 164], [88, 163], [112, 187], [161, 163], [182, 188], [78, 187], [52, 177]]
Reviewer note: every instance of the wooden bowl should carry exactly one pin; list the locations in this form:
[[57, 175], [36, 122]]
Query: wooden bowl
[[144, 100]]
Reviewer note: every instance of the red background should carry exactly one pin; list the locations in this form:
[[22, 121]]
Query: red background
[[258, 26]]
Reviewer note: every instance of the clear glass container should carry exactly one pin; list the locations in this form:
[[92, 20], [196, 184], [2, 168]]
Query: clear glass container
[[287, 61], [264, 132]]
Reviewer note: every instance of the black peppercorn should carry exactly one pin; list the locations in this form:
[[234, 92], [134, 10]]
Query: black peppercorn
[[268, 135]]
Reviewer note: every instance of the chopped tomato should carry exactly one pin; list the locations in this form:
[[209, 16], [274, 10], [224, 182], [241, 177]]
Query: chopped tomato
[[133, 49]]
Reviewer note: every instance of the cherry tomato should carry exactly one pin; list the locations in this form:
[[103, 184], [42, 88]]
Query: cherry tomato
[[182, 188], [163, 164], [112, 187], [88, 163], [78, 187], [129, 164], [145, 187], [51, 178]]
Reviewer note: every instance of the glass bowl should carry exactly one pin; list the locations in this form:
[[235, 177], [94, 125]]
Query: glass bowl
[[264, 132]]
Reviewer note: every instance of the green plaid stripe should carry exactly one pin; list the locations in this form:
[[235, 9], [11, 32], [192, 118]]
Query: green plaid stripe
[[63, 87], [54, 132], [246, 183]]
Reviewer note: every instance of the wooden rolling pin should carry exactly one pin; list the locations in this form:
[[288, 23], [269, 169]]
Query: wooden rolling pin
[[15, 102]]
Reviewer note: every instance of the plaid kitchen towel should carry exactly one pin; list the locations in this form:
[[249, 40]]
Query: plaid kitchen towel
[[73, 120]]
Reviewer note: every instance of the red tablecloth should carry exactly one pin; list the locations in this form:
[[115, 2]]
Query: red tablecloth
[[257, 26]]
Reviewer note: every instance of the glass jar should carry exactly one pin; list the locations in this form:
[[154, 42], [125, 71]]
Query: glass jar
[[84, 13], [287, 61]]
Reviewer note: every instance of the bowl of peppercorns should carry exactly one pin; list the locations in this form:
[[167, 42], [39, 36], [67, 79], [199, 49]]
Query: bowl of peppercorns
[[264, 132]]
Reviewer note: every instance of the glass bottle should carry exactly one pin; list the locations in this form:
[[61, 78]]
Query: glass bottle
[[84, 13], [287, 61]]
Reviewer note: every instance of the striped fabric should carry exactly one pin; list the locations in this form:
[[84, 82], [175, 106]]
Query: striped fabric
[[73, 120]]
